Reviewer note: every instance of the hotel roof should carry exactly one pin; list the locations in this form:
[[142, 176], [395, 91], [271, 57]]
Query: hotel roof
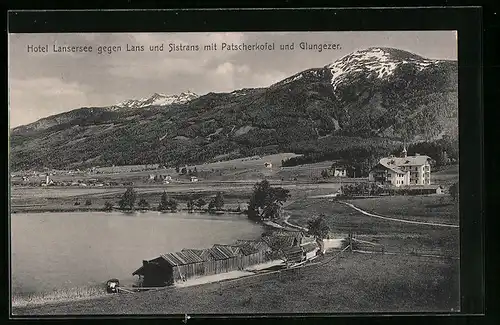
[[405, 161]]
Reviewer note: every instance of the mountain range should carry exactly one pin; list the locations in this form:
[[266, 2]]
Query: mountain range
[[377, 95]]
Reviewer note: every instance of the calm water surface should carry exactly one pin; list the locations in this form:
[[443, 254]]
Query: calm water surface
[[53, 251]]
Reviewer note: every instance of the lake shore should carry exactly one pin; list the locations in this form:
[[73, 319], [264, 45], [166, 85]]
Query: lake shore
[[96, 291], [430, 284], [210, 230]]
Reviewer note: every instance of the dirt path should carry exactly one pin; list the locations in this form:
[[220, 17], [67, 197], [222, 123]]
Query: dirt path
[[287, 216], [398, 220], [292, 225]]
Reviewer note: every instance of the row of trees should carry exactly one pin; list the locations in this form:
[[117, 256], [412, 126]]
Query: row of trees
[[443, 152], [361, 189], [360, 158], [129, 198], [358, 161], [186, 171]]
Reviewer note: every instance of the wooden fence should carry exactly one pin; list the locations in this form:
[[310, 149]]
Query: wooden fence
[[363, 245]]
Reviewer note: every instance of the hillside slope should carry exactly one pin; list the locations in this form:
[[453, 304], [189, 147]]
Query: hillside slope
[[381, 94]]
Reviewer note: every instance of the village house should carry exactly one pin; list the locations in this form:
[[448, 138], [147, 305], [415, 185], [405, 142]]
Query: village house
[[193, 179], [48, 181], [402, 171], [268, 165], [165, 179], [339, 172]]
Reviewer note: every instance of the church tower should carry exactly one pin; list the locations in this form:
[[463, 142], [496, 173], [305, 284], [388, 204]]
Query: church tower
[[404, 153]]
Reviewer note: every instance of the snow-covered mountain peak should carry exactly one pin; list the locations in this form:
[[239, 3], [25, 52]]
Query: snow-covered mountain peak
[[158, 99], [378, 61]]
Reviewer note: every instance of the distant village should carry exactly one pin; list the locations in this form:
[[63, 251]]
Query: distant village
[[404, 171], [89, 177]]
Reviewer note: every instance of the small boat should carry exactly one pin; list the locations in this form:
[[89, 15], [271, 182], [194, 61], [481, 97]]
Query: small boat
[[112, 285]]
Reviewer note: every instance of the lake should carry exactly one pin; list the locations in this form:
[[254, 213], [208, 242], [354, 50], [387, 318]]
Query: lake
[[54, 251]]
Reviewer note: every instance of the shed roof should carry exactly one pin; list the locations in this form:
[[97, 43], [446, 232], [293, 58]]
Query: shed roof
[[221, 252], [139, 271], [192, 251], [290, 232], [280, 241], [259, 245], [293, 254], [246, 248], [309, 247], [181, 258]]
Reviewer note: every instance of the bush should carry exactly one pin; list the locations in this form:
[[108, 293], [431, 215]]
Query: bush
[[143, 203], [108, 206], [454, 191], [128, 199], [361, 189], [88, 202]]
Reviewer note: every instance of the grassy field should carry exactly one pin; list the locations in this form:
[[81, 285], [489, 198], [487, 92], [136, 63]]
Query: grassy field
[[63, 199], [352, 282], [395, 236], [430, 208], [445, 176]]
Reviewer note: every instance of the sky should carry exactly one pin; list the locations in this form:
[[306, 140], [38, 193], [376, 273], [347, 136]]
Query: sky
[[44, 84]]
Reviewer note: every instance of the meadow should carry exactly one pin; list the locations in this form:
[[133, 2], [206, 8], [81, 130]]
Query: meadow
[[351, 282]]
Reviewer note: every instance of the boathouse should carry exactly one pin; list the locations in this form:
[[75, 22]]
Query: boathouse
[[221, 259], [170, 268]]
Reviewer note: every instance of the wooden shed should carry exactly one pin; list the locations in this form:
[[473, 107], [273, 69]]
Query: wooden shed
[[310, 249], [259, 245], [221, 259], [170, 268], [294, 255]]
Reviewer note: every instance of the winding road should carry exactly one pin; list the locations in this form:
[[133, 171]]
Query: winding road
[[398, 220]]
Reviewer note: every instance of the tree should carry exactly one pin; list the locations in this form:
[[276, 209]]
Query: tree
[[324, 173], [172, 205], [318, 227], [183, 171], [266, 201], [163, 202], [200, 203], [177, 169], [211, 205], [454, 191], [195, 171], [190, 204], [128, 199], [88, 202], [143, 203], [108, 206], [219, 201]]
